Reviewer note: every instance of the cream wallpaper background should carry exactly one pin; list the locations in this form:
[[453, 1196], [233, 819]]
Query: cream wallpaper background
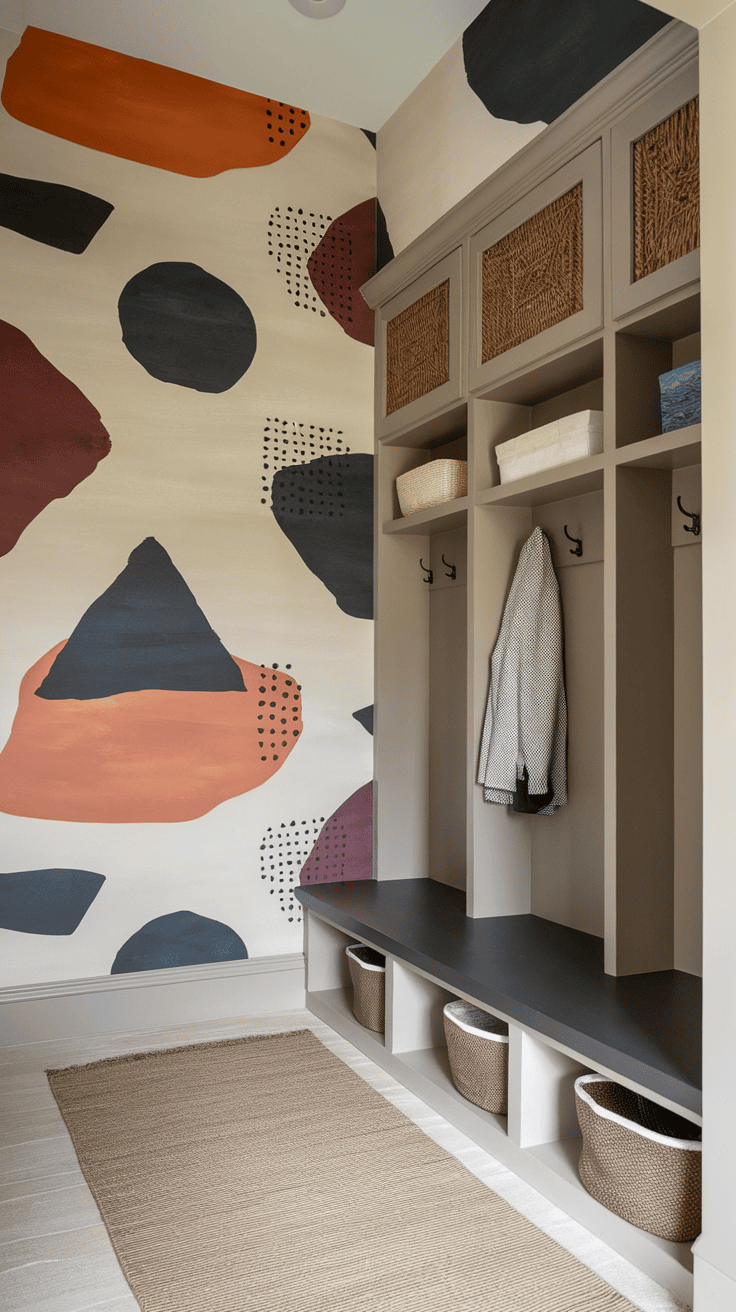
[[186, 467]]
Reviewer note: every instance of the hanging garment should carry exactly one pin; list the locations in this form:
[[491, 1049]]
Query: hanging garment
[[523, 755]]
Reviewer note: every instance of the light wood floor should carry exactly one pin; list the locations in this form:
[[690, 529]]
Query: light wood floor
[[55, 1255]]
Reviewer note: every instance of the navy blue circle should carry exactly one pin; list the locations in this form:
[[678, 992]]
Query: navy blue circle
[[187, 327]]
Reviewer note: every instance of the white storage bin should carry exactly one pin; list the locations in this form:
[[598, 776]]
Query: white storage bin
[[431, 485], [563, 440]]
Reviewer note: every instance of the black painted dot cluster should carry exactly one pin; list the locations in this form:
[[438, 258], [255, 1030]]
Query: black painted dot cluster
[[329, 860], [311, 492], [278, 712], [292, 236], [283, 853], [334, 260], [286, 442], [281, 122]]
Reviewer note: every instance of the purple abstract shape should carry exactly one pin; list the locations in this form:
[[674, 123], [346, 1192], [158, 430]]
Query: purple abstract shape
[[344, 849]]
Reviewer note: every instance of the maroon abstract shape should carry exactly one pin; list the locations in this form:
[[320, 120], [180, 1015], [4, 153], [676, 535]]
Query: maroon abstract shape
[[344, 259], [51, 436], [344, 849]]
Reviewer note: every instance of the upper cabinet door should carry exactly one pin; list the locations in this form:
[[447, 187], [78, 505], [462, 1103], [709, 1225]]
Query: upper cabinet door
[[419, 344], [655, 197], [536, 273]]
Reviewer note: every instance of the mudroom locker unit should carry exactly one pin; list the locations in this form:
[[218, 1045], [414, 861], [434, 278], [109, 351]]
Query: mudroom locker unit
[[569, 281]]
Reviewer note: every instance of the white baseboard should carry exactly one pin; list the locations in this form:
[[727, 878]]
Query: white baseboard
[[714, 1291], [151, 999]]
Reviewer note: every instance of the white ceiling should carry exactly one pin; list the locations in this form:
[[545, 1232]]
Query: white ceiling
[[357, 66]]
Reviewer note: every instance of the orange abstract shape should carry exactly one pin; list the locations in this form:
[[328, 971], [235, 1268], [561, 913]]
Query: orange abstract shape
[[143, 111], [150, 756]]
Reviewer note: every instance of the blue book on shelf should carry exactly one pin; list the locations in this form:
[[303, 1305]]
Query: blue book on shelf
[[679, 392]]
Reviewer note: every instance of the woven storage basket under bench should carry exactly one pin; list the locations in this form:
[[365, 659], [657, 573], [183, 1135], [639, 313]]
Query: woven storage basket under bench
[[368, 974], [478, 1052], [639, 1160]]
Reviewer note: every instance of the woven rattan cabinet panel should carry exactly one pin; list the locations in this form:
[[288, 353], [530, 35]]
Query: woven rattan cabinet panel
[[419, 344], [418, 348], [536, 272], [532, 279], [667, 191], [655, 197]]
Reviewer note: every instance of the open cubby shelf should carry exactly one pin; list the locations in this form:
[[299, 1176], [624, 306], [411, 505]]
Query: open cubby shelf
[[673, 450], [507, 968], [433, 520], [440, 426], [644, 1029], [557, 484]]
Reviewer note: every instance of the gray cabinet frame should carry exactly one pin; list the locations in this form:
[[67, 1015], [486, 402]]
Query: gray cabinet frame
[[585, 168], [451, 268], [627, 295]]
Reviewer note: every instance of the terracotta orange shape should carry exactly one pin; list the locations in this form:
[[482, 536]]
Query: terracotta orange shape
[[150, 756], [143, 111]]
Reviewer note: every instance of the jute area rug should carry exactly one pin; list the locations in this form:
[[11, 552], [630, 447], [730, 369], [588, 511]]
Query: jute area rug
[[262, 1174]]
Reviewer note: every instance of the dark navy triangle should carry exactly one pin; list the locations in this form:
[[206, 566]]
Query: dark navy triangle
[[145, 631]]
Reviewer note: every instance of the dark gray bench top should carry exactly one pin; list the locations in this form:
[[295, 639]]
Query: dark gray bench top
[[646, 1028]]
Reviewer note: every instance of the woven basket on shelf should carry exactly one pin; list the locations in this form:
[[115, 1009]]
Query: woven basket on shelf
[[666, 192], [533, 277], [368, 974], [431, 485], [637, 1159], [478, 1052], [418, 348]]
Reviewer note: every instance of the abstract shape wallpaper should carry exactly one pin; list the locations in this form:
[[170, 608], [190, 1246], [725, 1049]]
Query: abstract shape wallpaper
[[145, 631], [346, 257], [187, 327], [51, 436], [142, 716], [293, 235], [176, 679], [365, 717], [45, 211], [528, 60], [181, 938], [344, 849], [47, 901], [325, 508], [142, 111]]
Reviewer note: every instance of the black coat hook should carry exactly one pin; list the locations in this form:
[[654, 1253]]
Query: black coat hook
[[577, 550], [694, 516], [452, 569], [430, 574]]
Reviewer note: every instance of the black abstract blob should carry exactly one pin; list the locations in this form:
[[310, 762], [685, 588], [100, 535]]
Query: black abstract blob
[[46, 211], [370, 135], [145, 631], [179, 939], [185, 326], [325, 508], [365, 717], [47, 901], [384, 249], [529, 60], [289, 441]]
